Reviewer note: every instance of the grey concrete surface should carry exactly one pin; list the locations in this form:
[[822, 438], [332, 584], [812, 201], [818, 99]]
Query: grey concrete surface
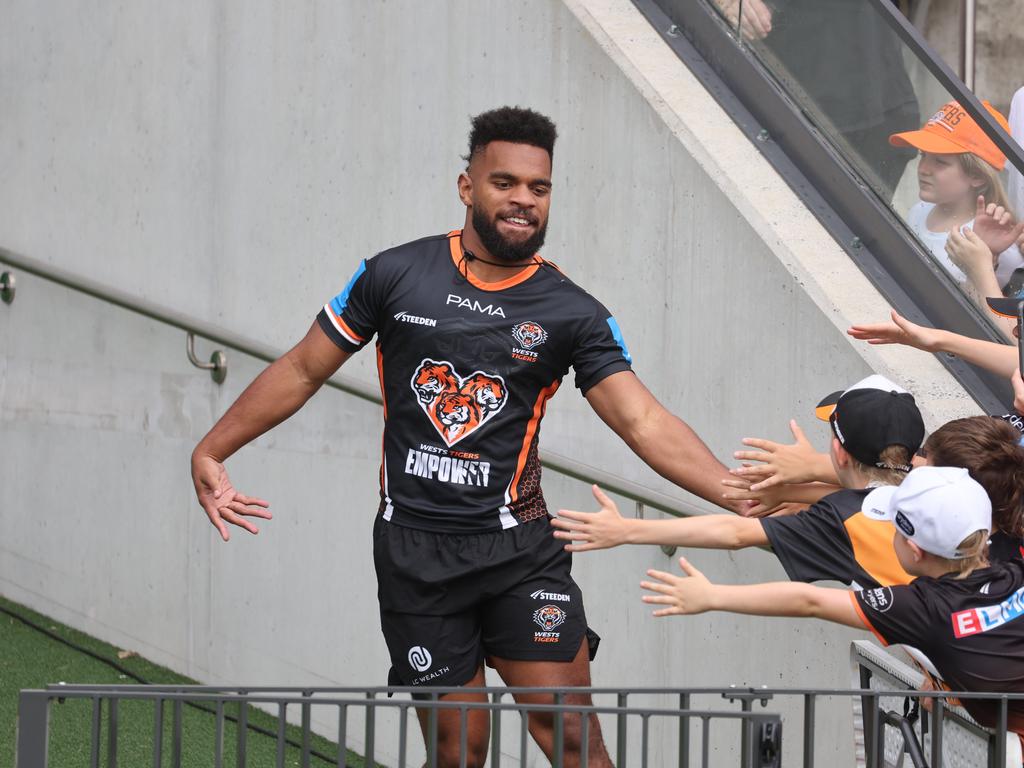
[[234, 161]]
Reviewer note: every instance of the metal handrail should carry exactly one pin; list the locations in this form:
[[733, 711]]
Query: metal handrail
[[554, 461]]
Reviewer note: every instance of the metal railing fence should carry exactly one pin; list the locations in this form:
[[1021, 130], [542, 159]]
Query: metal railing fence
[[689, 727]]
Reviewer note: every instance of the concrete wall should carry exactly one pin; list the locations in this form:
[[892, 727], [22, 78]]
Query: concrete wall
[[234, 161], [999, 45]]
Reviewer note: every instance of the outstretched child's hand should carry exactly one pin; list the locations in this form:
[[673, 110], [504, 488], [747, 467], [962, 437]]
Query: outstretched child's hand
[[969, 252], [899, 331], [681, 596], [793, 463], [595, 530], [995, 226]]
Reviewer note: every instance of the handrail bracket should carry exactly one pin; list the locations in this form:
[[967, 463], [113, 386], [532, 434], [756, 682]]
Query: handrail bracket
[[218, 365]]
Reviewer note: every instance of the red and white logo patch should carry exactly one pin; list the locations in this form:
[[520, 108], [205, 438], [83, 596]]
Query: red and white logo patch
[[457, 406]]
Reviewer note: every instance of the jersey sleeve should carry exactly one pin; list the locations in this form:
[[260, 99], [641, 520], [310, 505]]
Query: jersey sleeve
[[351, 318], [895, 615], [812, 545], [600, 350]]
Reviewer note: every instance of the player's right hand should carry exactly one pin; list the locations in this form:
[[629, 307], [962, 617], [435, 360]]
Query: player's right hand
[[219, 499], [592, 530]]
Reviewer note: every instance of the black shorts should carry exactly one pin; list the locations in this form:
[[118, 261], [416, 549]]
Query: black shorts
[[448, 601]]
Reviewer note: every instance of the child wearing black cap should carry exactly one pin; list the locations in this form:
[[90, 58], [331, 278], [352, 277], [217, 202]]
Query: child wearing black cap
[[966, 615], [876, 429]]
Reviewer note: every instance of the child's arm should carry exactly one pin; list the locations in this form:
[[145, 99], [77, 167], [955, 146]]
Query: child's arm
[[682, 596], [795, 463], [777, 496], [607, 528], [1001, 359]]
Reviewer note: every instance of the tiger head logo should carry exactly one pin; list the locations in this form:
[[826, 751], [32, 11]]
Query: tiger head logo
[[529, 335], [457, 406], [434, 379], [459, 414], [549, 617], [488, 392]]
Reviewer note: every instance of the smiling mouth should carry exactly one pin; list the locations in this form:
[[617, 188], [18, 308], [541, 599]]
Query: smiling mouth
[[517, 221]]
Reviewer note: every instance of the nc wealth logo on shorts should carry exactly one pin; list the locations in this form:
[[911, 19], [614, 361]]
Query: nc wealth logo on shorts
[[457, 406], [419, 658]]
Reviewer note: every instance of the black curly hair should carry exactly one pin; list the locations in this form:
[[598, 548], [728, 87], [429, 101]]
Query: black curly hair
[[518, 125]]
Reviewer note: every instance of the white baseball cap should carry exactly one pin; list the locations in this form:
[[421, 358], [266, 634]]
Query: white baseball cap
[[934, 507]]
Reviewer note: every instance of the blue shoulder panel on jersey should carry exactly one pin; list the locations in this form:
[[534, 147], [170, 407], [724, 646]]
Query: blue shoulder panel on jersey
[[338, 302], [617, 335]]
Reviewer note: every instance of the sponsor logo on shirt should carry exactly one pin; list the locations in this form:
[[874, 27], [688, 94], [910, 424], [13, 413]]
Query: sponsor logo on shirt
[[473, 304], [457, 406], [551, 596], [548, 618], [405, 317], [989, 617], [879, 599]]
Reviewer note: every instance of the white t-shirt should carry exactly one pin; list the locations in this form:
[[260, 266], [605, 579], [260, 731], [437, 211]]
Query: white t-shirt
[[917, 220], [1014, 181]]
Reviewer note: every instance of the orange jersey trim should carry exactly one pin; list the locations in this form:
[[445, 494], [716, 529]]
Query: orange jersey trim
[[455, 244], [531, 430], [346, 328], [873, 550], [864, 619]]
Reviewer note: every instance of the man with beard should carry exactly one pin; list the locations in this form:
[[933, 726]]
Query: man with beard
[[474, 334]]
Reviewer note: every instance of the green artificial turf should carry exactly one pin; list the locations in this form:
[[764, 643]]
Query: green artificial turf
[[31, 659]]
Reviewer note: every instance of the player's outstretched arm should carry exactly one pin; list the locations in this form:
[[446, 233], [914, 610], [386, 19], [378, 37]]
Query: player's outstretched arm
[[664, 441], [607, 528], [272, 397], [1001, 359], [693, 593]]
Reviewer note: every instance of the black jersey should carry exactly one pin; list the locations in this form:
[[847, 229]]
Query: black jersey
[[1003, 547], [466, 370], [971, 629], [834, 541]]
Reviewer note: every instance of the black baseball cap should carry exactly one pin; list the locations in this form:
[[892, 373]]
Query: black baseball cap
[[1004, 307], [872, 415]]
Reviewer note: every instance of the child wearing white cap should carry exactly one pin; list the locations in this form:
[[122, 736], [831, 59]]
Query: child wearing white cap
[[965, 615], [876, 428]]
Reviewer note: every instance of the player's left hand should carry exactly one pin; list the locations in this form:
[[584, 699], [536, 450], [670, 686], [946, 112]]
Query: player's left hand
[[681, 596], [595, 530], [995, 226]]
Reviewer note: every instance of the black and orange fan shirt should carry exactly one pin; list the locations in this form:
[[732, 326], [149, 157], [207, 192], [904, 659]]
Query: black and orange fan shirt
[[833, 540], [466, 371]]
